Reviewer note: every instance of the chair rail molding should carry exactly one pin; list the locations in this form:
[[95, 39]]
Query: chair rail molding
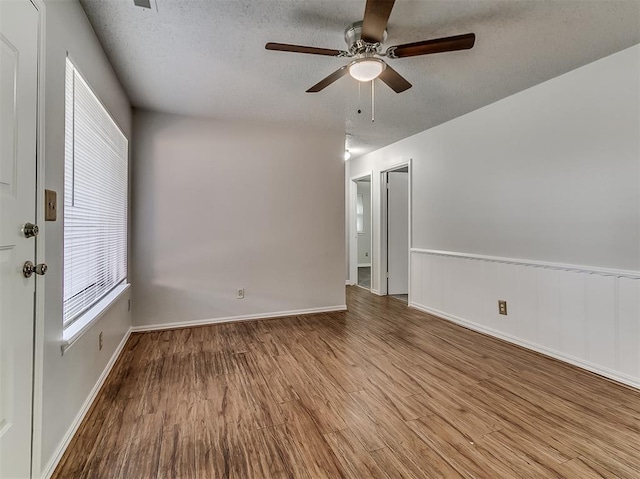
[[528, 262]]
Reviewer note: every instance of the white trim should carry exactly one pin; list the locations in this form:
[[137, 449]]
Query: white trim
[[398, 165], [364, 265], [607, 373], [349, 283], [383, 279], [362, 176], [233, 319], [53, 462], [383, 282], [351, 230], [376, 292], [543, 264], [409, 242], [74, 332], [38, 330], [362, 287]]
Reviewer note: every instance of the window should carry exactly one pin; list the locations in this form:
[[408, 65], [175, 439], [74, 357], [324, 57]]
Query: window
[[95, 200], [360, 215]]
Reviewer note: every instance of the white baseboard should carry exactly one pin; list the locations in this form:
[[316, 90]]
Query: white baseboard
[[233, 319], [364, 265], [62, 447], [376, 292], [607, 373], [350, 283]]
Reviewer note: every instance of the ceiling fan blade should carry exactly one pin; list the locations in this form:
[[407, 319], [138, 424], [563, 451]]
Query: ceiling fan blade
[[376, 17], [439, 45], [394, 80], [322, 84], [284, 47]]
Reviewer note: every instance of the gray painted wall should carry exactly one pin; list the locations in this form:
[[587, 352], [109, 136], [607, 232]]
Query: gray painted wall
[[220, 206], [551, 173], [69, 379]]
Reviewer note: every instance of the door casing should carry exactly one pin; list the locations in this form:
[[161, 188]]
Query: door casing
[[36, 253], [351, 228], [38, 343], [382, 276]]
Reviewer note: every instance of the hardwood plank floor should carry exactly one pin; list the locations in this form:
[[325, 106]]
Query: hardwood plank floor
[[380, 391]]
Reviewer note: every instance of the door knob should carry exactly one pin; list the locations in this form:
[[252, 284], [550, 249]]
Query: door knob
[[29, 230], [29, 268]]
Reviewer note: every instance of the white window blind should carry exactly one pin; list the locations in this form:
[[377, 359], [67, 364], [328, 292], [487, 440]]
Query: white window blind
[[95, 200]]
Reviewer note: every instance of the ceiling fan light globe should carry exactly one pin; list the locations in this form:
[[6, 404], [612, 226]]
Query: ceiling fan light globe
[[366, 69]]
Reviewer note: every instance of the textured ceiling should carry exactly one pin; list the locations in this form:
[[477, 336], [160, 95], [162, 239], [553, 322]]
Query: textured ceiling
[[207, 57]]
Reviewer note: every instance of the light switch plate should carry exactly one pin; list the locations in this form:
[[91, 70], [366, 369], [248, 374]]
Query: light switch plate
[[50, 205]]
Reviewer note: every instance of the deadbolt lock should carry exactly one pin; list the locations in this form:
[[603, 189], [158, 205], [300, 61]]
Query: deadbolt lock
[[29, 230], [29, 268]]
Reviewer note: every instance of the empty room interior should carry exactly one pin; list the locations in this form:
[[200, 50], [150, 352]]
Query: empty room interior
[[322, 239]]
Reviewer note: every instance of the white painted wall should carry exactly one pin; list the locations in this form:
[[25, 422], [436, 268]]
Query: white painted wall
[[364, 239], [68, 380], [220, 206], [551, 174]]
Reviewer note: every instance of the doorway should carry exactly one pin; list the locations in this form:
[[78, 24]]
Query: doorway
[[397, 231], [360, 245]]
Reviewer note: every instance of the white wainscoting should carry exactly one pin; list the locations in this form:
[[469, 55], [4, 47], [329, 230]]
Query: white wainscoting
[[586, 316]]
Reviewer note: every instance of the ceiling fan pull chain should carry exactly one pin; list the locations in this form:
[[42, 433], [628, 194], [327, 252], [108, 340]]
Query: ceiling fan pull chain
[[373, 101]]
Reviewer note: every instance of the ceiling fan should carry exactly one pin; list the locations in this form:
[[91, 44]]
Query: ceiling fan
[[365, 40]]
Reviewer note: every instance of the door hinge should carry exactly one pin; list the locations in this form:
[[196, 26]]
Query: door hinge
[[387, 275]]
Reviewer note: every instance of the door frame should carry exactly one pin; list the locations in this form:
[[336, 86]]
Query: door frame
[[353, 234], [39, 310], [383, 282]]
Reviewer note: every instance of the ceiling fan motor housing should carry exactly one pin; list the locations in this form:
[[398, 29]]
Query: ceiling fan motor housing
[[366, 52], [359, 47]]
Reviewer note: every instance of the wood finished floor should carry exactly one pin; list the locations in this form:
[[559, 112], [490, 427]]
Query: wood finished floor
[[381, 391]]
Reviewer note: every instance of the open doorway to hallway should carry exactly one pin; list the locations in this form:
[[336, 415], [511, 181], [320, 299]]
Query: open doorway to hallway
[[361, 242]]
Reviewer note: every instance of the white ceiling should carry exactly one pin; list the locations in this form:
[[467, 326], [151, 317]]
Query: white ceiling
[[207, 57]]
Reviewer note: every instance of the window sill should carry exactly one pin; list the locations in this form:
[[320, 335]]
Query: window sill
[[74, 332]]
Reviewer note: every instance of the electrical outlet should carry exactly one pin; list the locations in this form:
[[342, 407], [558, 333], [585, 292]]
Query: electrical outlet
[[100, 341], [240, 294], [502, 307]]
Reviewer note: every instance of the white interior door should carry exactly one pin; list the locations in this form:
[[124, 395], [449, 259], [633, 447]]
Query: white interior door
[[398, 232], [18, 100], [353, 235]]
